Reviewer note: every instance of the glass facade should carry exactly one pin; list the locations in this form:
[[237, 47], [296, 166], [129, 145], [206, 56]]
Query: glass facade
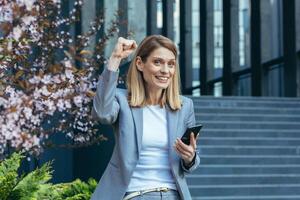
[[244, 33], [195, 46], [271, 41], [218, 35]]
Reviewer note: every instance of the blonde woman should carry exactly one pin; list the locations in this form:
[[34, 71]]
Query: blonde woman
[[149, 160]]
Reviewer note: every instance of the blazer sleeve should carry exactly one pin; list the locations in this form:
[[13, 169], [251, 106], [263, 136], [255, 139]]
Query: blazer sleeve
[[105, 105], [191, 122]]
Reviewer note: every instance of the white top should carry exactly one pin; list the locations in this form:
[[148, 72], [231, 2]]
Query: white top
[[153, 168]]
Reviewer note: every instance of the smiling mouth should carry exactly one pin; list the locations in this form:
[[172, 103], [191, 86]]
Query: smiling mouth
[[161, 78]]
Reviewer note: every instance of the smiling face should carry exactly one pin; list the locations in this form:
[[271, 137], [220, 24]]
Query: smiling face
[[158, 69]]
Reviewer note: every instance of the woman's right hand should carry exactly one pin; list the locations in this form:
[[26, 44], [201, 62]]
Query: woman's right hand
[[123, 49]]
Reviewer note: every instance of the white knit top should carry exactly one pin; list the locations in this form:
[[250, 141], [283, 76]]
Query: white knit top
[[153, 168]]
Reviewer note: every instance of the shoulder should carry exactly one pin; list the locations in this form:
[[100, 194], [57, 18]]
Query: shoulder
[[121, 94], [186, 104], [120, 91], [186, 100]]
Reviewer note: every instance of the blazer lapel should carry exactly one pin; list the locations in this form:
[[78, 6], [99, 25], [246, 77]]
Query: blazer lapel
[[172, 121], [137, 114]]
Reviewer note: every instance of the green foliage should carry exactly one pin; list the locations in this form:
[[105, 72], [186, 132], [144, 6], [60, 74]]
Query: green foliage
[[35, 185], [9, 174], [76, 190], [27, 188]]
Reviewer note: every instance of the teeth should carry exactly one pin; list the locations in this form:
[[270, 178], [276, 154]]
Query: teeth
[[162, 78]]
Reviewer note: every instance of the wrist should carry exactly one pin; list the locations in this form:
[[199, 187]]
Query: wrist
[[113, 63], [190, 162]]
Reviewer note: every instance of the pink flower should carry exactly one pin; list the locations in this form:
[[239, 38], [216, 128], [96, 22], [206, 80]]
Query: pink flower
[[17, 32]]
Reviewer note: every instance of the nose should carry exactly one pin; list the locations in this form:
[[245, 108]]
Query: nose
[[164, 68]]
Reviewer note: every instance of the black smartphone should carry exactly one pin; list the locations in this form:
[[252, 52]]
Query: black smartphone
[[186, 136]]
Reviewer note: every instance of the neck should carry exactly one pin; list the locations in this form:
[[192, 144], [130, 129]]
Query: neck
[[154, 96]]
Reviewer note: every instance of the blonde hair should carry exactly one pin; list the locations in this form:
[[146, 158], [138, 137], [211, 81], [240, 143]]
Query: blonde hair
[[137, 94]]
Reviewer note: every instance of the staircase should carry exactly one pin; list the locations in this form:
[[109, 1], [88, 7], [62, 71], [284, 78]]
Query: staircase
[[249, 149]]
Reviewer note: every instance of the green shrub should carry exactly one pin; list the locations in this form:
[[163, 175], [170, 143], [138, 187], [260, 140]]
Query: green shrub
[[35, 185]]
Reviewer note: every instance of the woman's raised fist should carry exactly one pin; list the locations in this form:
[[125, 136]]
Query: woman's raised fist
[[124, 48]]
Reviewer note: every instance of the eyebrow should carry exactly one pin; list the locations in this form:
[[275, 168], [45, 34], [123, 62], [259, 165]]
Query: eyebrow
[[173, 59]]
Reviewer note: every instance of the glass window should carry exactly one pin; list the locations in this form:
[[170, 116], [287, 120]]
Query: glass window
[[159, 14], [218, 34], [218, 89], [298, 29], [195, 45], [244, 34], [271, 29], [176, 22]]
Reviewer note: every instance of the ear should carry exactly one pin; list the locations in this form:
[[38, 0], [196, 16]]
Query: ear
[[139, 63]]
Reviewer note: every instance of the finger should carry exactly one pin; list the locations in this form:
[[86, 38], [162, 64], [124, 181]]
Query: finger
[[126, 53], [125, 43], [184, 146], [182, 153], [135, 44], [119, 46], [188, 153], [193, 140], [177, 151], [121, 40], [129, 45]]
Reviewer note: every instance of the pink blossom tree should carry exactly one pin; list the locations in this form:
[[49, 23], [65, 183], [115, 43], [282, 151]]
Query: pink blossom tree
[[43, 89]]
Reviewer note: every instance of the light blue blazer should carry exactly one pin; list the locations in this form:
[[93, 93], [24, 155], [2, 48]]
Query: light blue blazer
[[110, 106]]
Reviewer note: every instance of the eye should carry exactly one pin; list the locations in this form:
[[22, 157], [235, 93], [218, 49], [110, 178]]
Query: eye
[[157, 62], [171, 64]]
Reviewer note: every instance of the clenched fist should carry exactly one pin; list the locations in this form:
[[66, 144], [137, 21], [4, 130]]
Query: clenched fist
[[123, 49]]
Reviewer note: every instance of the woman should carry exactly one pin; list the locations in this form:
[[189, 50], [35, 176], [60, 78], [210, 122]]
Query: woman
[[149, 160]]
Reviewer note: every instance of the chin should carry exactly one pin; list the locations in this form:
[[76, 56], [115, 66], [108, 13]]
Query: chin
[[163, 86]]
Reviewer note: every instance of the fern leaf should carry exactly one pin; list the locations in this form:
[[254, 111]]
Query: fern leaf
[[8, 174], [28, 187]]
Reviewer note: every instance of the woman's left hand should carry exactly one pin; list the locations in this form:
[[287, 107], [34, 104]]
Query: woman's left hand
[[186, 152]]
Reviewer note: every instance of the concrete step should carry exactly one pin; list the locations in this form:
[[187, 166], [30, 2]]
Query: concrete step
[[252, 197], [245, 103], [232, 168], [245, 189], [246, 98], [247, 110], [239, 117], [213, 132], [248, 150], [258, 141], [250, 125], [237, 179], [250, 159]]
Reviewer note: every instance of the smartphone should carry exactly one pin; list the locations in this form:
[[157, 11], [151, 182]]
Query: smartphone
[[186, 136]]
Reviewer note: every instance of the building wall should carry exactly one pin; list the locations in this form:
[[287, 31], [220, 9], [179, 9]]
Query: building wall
[[88, 13], [298, 43], [110, 9], [137, 23], [210, 41]]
